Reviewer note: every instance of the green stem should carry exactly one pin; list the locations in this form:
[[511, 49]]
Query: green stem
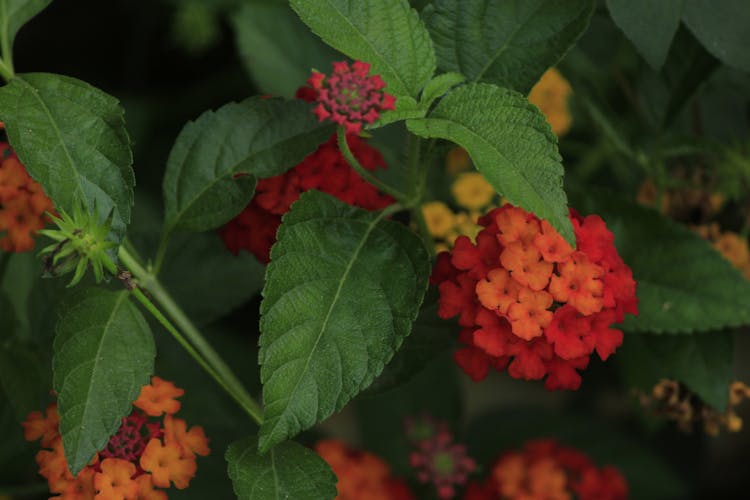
[[161, 251], [213, 362], [6, 70], [349, 156], [418, 175]]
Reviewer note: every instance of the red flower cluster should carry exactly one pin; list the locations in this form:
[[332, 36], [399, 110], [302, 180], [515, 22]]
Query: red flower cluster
[[545, 469], [361, 475], [143, 454], [349, 97], [529, 302], [23, 204], [254, 229], [437, 458]]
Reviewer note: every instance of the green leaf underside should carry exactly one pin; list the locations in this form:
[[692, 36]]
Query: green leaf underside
[[72, 139], [342, 291], [649, 25], [703, 362], [14, 14], [259, 137], [388, 34], [277, 49], [104, 354], [723, 28], [684, 284], [509, 43], [510, 143], [287, 471]]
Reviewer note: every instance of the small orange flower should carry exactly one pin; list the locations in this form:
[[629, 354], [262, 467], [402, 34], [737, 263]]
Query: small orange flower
[[530, 314], [80, 488], [158, 398], [516, 225], [166, 463], [553, 247], [37, 426], [115, 482], [526, 265], [579, 284], [498, 291], [193, 442], [146, 489]]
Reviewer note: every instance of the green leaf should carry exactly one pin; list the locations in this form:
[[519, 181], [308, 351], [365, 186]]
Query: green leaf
[[288, 470], [104, 354], [406, 108], [438, 86], [276, 48], [72, 139], [261, 137], [723, 28], [510, 143], [703, 362], [684, 285], [342, 291], [13, 15], [650, 25], [510, 43], [388, 34]]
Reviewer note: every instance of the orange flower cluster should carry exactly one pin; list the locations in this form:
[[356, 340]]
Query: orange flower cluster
[[361, 475], [142, 455], [523, 294], [23, 204], [547, 470]]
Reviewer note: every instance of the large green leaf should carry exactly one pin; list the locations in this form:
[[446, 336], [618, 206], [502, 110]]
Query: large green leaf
[[703, 362], [650, 25], [72, 139], [276, 48], [342, 290], [288, 470], [13, 15], [723, 28], [684, 285], [510, 43], [104, 354], [510, 143], [259, 137], [388, 34]]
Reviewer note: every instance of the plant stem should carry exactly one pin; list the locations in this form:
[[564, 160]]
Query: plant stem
[[161, 251], [367, 176], [418, 176], [208, 357], [6, 70]]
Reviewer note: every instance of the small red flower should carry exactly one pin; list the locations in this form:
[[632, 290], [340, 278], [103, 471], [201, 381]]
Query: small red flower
[[529, 302], [349, 97]]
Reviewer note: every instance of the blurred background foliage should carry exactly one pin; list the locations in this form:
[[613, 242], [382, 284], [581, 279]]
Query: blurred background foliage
[[676, 138]]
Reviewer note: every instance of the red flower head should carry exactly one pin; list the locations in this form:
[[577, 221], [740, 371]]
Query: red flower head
[[143, 454], [545, 469], [349, 97], [529, 302]]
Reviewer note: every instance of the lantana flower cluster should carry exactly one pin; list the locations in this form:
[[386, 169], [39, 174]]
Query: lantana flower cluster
[[545, 469], [151, 449], [530, 302], [23, 204], [674, 401], [361, 475], [326, 170], [349, 97], [437, 457]]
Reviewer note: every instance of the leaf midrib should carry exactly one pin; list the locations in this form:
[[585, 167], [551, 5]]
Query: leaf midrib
[[107, 324], [370, 227], [382, 57]]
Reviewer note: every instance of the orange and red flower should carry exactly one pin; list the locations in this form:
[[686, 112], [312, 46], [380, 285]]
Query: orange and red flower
[[529, 302], [143, 454]]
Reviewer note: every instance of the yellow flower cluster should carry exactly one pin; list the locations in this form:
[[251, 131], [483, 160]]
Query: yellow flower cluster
[[672, 400], [731, 246], [550, 95], [471, 193]]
